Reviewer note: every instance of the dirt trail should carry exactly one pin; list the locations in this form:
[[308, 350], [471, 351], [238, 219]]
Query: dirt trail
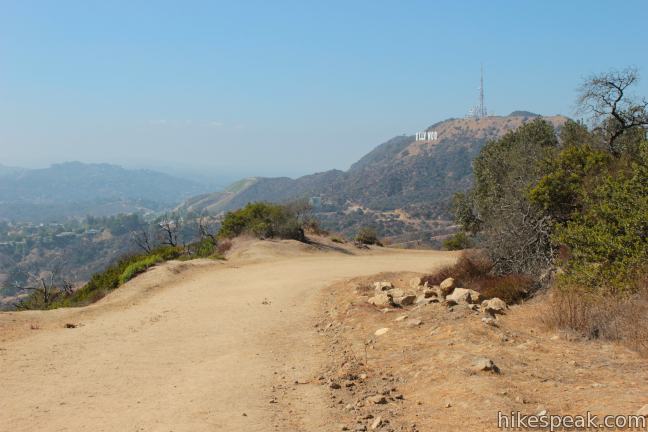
[[185, 347]]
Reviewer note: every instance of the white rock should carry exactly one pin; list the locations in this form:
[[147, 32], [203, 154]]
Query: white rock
[[381, 331], [401, 318]]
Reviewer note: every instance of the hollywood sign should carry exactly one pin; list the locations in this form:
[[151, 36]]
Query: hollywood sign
[[427, 136]]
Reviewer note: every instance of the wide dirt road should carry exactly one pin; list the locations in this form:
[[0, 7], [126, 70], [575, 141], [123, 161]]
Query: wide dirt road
[[185, 347]]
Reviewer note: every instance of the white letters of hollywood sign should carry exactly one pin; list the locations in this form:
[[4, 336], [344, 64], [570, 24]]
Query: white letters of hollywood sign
[[427, 136]]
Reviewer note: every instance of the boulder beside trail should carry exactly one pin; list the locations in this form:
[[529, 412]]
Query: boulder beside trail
[[447, 286], [494, 306], [463, 295], [381, 300], [405, 300]]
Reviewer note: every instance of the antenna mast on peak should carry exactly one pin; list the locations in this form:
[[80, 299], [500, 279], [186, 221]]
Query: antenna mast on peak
[[482, 108], [479, 111]]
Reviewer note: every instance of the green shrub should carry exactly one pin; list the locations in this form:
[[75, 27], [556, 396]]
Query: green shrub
[[607, 241], [138, 267], [263, 220], [368, 236], [458, 241]]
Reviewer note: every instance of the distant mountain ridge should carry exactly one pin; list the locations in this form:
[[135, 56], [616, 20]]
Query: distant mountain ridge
[[400, 186], [75, 189]]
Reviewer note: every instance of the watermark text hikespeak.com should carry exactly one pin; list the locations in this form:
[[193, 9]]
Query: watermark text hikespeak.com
[[516, 420]]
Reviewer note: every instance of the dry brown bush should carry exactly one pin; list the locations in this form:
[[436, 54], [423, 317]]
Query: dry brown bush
[[224, 246], [473, 270], [601, 316]]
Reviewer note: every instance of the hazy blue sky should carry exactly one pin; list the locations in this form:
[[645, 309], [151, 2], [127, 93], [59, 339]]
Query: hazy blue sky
[[285, 87]]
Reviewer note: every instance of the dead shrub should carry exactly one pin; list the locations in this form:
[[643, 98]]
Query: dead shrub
[[224, 246], [511, 288], [601, 316], [473, 270], [470, 265]]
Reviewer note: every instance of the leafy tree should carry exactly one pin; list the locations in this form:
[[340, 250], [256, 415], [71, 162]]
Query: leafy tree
[[515, 231]]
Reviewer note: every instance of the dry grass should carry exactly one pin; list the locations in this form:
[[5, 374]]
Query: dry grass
[[596, 316], [473, 271], [224, 246]]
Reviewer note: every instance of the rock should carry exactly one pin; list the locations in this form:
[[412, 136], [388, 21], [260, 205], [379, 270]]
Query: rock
[[335, 386], [382, 286], [416, 282], [401, 318], [463, 295], [381, 331], [420, 300], [381, 300], [70, 325], [376, 423], [490, 321], [484, 364], [414, 323], [447, 286], [643, 411], [395, 292], [430, 293], [494, 306], [377, 399], [405, 300]]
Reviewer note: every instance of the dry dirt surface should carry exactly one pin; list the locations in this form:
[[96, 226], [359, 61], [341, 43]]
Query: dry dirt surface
[[423, 359], [194, 346], [280, 337]]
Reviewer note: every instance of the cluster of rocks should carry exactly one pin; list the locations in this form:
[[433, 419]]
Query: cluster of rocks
[[370, 407], [419, 293]]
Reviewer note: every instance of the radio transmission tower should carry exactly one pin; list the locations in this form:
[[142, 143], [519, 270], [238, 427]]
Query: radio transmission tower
[[481, 109]]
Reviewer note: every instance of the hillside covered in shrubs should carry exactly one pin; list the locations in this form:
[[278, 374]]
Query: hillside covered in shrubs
[[168, 239]]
